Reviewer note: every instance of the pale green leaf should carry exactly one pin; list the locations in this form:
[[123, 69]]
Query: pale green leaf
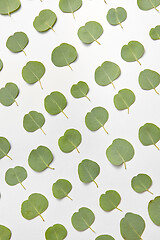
[[116, 16], [155, 33], [56, 232], [4, 147], [110, 201], [104, 237], [61, 188], [9, 6], [70, 6], [148, 4], [80, 90], [15, 176], [17, 42], [154, 210], [5, 233], [141, 183], [8, 94]]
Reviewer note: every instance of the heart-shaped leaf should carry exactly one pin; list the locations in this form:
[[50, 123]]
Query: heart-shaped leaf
[[141, 183], [70, 6], [120, 152], [64, 55], [5, 233], [33, 71], [96, 119], [90, 32], [1, 65], [155, 33], [132, 52], [132, 226], [39, 159], [45, 20], [33, 121], [15, 175], [83, 219], [17, 42], [56, 232], [61, 188], [55, 103], [148, 4], [116, 16], [107, 73], [154, 210], [34, 206], [8, 94], [9, 6], [124, 99], [80, 90], [88, 170], [110, 201], [4, 148], [104, 237], [70, 141]]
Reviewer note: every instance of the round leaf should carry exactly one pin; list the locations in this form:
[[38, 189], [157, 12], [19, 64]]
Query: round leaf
[[132, 226], [105, 237], [124, 99], [1, 65], [80, 90], [17, 42], [88, 171], [120, 152], [148, 4], [4, 147], [90, 32], [155, 33], [141, 183], [70, 6], [61, 188], [56, 232], [132, 52], [39, 159], [70, 141], [83, 219], [64, 55], [9, 6], [34, 206], [154, 210], [8, 94], [116, 16], [5, 233], [33, 121], [15, 175], [110, 200], [107, 73]]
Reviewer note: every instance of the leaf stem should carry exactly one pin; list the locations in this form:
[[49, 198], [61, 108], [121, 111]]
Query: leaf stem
[[22, 185], [50, 167], [16, 102], [128, 110], [105, 129], [77, 149], [41, 217], [9, 157], [73, 15], [42, 131], [40, 84], [120, 25], [156, 146], [119, 209], [97, 42], [138, 62], [125, 165], [65, 114], [88, 98], [156, 9], [105, 1], [95, 183], [52, 29], [70, 67], [156, 91], [113, 85], [24, 52], [92, 229], [149, 191], [69, 197]]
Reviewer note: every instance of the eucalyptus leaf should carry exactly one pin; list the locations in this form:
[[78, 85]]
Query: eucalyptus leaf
[[33, 121], [8, 94], [104, 237], [110, 201], [56, 232], [70, 141], [61, 188], [1, 65], [148, 4], [96, 119], [64, 55], [149, 79], [155, 33], [17, 42], [120, 152], [132, 52], [149, 134], [116, 16], [55, 103], [34, 206], [90, 32], [132, 226], [45, 20], [107, 73], [39, 159], [70, 6], [80, 90], [33, 71], [5, 233], [16, 175], [83, 219], [9, 6], [88, 170], [4, 148], [154, 210], [141, 183], [124, 99]]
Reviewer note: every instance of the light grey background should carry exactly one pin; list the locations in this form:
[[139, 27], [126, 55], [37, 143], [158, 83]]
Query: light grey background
[[94, 144]]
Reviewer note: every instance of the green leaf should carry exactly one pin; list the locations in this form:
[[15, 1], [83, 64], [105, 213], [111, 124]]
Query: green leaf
[[132, 226], [110, 201], [56, 232], [105, 237], [4, 148], [90, 32], [70, 141], [34, 206], [5, 233], [9, 6], [83, 219], [154, 210], [149, 79], [124, 99], [88, 170], [64, 55], [148, 4], [70, 6], [39, 159], [55, 103], [149, 134], [8, 94], [16, 175], [1, 65], [107, 73], [61, 188], [141, 183], [96, 119], [45, 20], [132, 52], [17, 42], [116, 16], [33, 71], [155, 33], [80, 90], [120, 152], [33, 121]]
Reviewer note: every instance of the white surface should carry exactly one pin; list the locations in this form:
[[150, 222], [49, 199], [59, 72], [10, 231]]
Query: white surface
[[94, 145]]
